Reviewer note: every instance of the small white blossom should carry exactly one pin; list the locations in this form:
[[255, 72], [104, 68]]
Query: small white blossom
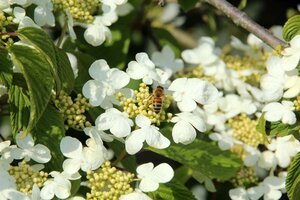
[[147, 132], [117, 122], [204, 54], [272, 82], [27, 150], [225, 139], [151, 176], [184, 129], [59, 186], [97, 32], [166, 61], [137, 194], [84, 158], [143, 68], [291, 54], [284, 148], [106, 82], [188, 91], [280, 112], [43, 13], [233, 105]]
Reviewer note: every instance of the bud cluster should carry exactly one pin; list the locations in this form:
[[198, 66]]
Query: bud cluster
[[4, 22], [142, 103], [195, 72], [73, 111], [244, 129], [26, 176], [80, 10], [108, 183], [245, 177]]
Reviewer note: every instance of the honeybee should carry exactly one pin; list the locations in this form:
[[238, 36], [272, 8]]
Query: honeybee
[[158, 98]]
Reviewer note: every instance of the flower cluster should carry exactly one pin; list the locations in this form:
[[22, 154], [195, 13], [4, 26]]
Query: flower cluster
[[165, 100]]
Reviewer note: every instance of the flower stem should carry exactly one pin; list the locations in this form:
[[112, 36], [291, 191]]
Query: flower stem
[[241, 19], [62, 35], [121, 157]]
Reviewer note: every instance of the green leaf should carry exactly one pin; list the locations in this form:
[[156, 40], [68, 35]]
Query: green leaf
[[281, 129], [49, 131], [205, 157], [172, 191], [242, 4], [38, 79], [187, 4], [19, 104], [291, 28], [5, 69], [293, 179], [65, 71], [183, 174], [275, 128], [41, 41]]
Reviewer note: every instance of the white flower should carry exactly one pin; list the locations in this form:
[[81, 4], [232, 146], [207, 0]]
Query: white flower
[[59, 186], [151, 176], [166, 61], [292, 86], [87, 158], [97, 32], [269, 188], [143, 68], [105, 84], [188, 91], [238, 194], [225, 139], [233, 105], [291, 54], [199, 192], [136, 195], [150, 133], [280, 112], [272, 82], [285, 148], [27, 150], [113, 3], [184, 129], [252, 155], [43, 14], [90, 131], [24, 21], [117, 122], [203, 54], [267, 160], [5, 4]]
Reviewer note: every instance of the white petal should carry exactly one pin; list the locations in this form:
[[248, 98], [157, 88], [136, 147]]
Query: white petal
[[162, 173], [40, 16], [95, 34], [155, 139], [63, 187], [119, 79], [70, 147], [71, 166], [238, 194], [24, 143], [99, 70], [143, 59], [148, 185], [135, 70], [187, 104], [134, 142], [94, 91], [256, 192], [183, 132], [191, 57], [178, 84], [144, 170], [122, 129], [273, 195], [41, 154], [142, 121], [47, 192]]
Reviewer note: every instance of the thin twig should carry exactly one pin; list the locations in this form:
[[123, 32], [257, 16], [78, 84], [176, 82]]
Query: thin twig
[[241, 19], [62, 35], [12, 34]]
